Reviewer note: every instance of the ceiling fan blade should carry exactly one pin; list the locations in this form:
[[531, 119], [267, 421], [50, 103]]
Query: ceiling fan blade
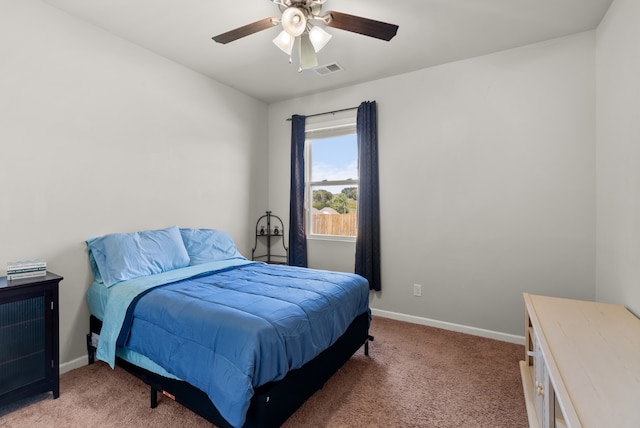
[[246, 30], [364, 26]]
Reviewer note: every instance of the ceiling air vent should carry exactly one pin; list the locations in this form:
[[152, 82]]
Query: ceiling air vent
[[323, 70]]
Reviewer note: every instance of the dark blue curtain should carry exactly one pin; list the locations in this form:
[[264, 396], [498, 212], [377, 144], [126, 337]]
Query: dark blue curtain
[[368, 241], [297, 234]]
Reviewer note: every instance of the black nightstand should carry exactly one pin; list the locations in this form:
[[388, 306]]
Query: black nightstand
[[29, 343]]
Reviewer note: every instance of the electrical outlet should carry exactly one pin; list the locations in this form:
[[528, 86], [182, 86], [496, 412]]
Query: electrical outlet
[[417, 290]]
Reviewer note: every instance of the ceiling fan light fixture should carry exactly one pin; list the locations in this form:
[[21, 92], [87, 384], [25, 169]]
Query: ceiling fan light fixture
[[298, 20], [294, 21], [319, 38], [285, 42]]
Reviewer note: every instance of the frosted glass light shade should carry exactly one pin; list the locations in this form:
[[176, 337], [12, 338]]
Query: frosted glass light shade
[[285, 42], [293, 21], [319, 38], [308, 58]]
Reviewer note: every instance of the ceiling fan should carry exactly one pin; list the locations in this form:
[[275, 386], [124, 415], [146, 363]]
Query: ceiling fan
[[299, 21]]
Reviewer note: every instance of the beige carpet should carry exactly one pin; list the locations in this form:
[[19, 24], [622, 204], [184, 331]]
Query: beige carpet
[[415, 376]]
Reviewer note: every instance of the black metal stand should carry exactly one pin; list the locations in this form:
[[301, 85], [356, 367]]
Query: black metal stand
[[265, 231]]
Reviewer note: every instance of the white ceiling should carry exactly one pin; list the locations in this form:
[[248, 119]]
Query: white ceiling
[[431, 32]]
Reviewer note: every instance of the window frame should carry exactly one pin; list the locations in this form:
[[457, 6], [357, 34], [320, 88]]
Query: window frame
[[317, 131]]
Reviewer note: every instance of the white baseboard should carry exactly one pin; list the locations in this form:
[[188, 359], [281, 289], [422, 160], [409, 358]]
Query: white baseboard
[[512, 338], [74, 364]]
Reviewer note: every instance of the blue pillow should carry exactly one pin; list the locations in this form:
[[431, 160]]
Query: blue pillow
[[208, 245], [122, 256]]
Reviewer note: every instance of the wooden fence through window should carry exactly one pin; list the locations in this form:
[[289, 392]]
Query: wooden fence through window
[[335, 224]]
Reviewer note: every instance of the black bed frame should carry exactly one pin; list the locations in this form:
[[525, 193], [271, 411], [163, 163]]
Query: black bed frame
[[273, 403]]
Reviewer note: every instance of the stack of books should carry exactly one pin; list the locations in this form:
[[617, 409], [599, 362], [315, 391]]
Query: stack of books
[[26, 269]]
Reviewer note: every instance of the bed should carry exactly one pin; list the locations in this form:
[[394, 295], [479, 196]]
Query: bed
[[241, 343]]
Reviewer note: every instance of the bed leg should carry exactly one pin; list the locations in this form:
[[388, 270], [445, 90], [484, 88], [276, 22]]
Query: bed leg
[[366, 344], [91, 351], [154, 397]]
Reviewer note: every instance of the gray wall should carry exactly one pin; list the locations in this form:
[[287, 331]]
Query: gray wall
[[98, 135], [618, 148], [487, 173]]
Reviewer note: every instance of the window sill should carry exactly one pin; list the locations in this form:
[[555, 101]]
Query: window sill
[[331, 238]]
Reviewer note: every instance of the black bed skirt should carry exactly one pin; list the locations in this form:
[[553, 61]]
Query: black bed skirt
[[273, 403]]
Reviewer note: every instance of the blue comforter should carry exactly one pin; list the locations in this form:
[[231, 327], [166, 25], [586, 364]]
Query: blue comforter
[[235, 329]]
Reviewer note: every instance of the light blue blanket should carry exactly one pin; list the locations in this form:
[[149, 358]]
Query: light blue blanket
[[122, 294]]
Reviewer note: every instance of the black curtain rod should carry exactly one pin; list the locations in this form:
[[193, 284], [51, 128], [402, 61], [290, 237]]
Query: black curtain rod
[[327, 112]]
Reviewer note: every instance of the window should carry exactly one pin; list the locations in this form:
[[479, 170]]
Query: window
[[332, 180]]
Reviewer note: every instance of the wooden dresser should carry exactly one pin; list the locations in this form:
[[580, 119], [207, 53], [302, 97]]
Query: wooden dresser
[[582, 364]]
